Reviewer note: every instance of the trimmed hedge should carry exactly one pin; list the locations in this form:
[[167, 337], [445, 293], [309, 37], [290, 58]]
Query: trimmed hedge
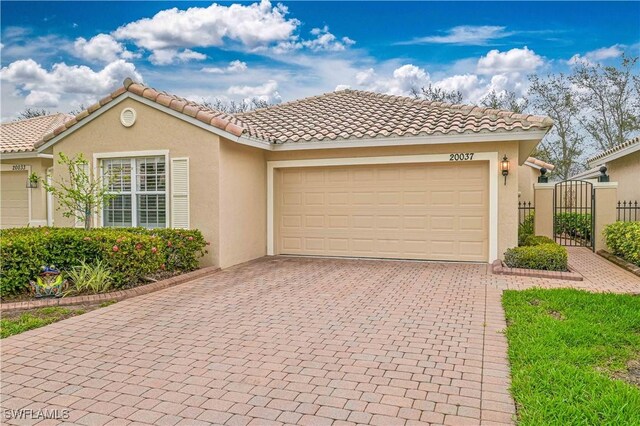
[[536, 240], [573, 224], [130, 254], [623, 239], [546, 257]]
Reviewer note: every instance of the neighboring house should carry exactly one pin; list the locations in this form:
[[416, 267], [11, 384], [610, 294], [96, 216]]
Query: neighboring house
[[19, 204], [623, 166], [528, 174], [348, 173]]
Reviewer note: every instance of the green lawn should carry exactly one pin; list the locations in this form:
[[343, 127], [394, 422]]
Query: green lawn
[[35, 318], [565, 347]]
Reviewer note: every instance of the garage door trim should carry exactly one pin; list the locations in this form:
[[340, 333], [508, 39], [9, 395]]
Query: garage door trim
[[491, 157]]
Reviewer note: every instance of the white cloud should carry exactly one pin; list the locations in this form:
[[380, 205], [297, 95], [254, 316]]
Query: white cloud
[[234, 67], [365, 77], [467, 84], [598, 55], [101, 48], [325, 41], [37, 98], [466, 35], [65, 81], [341, 87], [514, 60], [266, 92], [169, 56], [254, 25]]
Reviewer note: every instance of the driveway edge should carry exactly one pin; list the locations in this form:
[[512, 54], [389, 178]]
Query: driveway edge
[[114, 295], [499, 268]]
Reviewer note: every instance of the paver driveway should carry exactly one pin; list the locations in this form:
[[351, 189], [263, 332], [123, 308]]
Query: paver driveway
[[280, 340]]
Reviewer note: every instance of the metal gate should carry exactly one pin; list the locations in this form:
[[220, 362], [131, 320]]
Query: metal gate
[[574, 203]]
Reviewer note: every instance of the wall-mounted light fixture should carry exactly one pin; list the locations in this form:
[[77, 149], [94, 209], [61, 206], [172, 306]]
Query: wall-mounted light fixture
[[504, 166]]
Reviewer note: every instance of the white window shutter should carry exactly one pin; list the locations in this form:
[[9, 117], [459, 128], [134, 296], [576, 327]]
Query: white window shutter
[[180, 193]]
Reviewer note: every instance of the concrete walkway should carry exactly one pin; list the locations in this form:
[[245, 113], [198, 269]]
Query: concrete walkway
[[286, 341]]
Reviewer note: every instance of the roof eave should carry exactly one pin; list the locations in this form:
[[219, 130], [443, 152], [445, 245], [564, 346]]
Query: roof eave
[[22, 154], [129, 95], [594, 161], [524, 136]]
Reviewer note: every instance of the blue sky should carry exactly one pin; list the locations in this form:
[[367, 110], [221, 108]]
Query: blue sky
[[57, 55]]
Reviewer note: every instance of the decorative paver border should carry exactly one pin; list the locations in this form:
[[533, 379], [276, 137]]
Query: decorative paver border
[[499, 268], [114, 295], [620, 262]]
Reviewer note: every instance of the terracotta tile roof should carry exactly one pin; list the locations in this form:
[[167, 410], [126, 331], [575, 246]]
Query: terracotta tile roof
[[540, 163], [21, 135], [347, 114], [616, 148], [200, 112], [353, 114]]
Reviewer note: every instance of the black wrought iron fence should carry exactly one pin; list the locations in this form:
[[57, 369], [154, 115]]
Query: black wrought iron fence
[[526, 210], [628, 211]]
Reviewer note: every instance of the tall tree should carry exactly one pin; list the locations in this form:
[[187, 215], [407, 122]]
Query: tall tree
[[506, 100], [79, 195], [555, 97], [609, 99], [31, 113], [438, 94]]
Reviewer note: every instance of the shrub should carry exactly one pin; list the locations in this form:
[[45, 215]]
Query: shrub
[[94, 278], [573, 224], [623, 239], [548, 257], [183, 247], [536, 240], [526, 228], [129, 254]]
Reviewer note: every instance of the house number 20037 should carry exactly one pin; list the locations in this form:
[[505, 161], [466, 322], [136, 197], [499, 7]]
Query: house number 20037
[[461, 156]]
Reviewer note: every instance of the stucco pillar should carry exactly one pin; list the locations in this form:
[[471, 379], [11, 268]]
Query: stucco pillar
[[606, 199], [543, 202]]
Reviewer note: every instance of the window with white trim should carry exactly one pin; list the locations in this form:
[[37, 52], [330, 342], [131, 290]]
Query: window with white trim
[[140, 189]]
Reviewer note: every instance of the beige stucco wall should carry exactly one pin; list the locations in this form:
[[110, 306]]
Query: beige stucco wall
[[626, 171], [243, 203], [543, 201], [155, 130], [38, 195], [228, 200], [507, 194], [527, 176], [605, 214]]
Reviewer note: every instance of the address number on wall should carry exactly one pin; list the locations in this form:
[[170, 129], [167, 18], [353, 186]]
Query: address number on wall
[[19, 167], [462, 156]]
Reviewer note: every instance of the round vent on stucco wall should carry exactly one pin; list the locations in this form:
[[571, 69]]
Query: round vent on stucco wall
[[128, 117]]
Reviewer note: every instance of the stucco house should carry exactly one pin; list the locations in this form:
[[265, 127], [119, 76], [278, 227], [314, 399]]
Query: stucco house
[[528, 174], [623, 166], [21, 205], [347, 173]]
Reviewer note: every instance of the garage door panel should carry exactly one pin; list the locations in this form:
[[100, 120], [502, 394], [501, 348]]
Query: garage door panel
[[414, 211], [14, 200]]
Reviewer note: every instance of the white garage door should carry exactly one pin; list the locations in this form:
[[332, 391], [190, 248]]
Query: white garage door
[[430, 211], [14, 201]]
